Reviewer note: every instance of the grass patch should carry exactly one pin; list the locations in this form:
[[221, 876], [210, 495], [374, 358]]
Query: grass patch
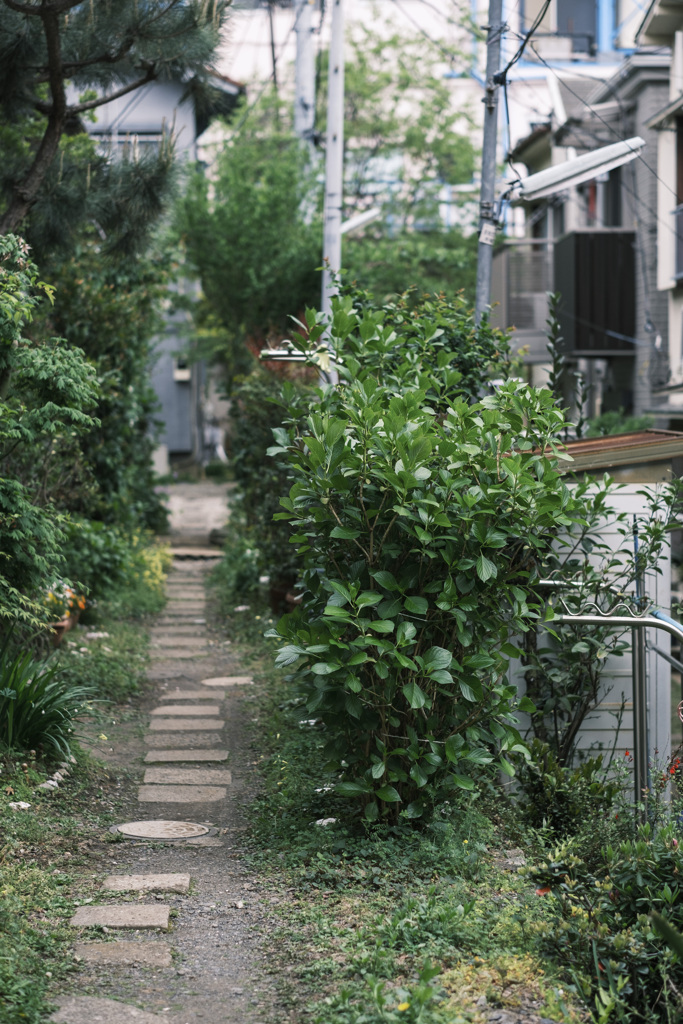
[[45, 873], [386, 923], [111, 661], [47, 851]]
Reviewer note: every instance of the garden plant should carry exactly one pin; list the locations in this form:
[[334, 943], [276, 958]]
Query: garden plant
[[428, 493], [427, 503]]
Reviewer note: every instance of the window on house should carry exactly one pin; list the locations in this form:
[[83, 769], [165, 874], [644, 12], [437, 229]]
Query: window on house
[[578, 20], [530, 11], [181, 370]]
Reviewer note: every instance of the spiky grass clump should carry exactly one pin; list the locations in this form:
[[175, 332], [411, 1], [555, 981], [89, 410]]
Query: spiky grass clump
[[37, 709]]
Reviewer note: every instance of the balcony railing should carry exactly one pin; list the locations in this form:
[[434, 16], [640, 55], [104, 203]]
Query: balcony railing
[[522, 278]]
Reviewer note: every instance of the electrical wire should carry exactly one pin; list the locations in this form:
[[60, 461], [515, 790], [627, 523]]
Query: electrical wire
[[319, 63], [450, 55], [636, 198], [655, 367], [600, 118], [500, 77], [267, 83]]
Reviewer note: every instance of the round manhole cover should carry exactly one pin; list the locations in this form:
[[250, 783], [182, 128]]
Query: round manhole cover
[[163, 829]]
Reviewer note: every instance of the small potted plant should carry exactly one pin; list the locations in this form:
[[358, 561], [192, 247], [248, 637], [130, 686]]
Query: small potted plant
[[64, 607]]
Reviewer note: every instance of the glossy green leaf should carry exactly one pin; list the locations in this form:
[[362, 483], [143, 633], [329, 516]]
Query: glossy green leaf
[[414, 695], [388, 795], [486, 569]]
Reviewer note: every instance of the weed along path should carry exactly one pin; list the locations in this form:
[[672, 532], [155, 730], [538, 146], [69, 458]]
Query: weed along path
[[173, 933]]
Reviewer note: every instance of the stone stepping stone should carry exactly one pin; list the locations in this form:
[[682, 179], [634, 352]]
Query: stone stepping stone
[[177, 629], [191, 605], [186, 724], [181, 794], [181, 741], [89, 1009], [193, 695], [161, 674], [227, 681], [146, 883], [188, 777], [148, 954], [181, 622], [173, 640], [181, 616], [127, 915], [176, 654], [160, 756], [198, 553], [205, 841], [187, 711]]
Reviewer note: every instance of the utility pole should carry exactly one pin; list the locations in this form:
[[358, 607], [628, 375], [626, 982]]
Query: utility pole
[[272, 45], [334, 156], [487, 204], [304, 103]]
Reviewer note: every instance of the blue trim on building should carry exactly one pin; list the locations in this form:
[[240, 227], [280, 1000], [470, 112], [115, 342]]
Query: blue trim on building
[[606, 25]]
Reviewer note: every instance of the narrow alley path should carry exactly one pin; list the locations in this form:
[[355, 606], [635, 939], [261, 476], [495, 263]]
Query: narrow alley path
[[181, 909]]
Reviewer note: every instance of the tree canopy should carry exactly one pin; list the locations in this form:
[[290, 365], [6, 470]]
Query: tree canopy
[[59, 61]]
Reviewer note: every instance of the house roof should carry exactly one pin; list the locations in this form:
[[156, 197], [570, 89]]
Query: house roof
[[529, 142], [663, 19], [216, 96], [637, 447]]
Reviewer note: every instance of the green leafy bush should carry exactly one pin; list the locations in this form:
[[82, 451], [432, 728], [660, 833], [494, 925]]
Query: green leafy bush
[[559, 797], [120, 568], [236, 576], [97, 555], [603, 934], [257, 408], [47, 391], [110, 306], [37, 707], [111, 666], [424, 508]]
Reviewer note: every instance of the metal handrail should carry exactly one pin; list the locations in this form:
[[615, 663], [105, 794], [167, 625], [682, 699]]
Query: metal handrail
[[637, 623]]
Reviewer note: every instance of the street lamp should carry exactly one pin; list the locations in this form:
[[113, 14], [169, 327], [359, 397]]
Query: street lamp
[[574, 172], [541, 185]]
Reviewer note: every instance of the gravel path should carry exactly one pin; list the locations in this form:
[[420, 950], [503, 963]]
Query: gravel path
[[209, 965]]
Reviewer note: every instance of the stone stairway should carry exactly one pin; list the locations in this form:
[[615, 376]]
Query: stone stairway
[[184, 797]]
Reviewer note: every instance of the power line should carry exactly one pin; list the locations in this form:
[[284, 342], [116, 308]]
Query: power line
[[268, 82], [600, 118], [637, 199], [501, 77], [442, 49]]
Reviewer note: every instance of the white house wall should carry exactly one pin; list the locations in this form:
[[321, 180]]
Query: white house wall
[[147, 111], [598, 731]]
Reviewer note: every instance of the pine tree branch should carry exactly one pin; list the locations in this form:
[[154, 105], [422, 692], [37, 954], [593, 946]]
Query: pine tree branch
[[25, 192], [91, 104], [58, 7], [69, 67], [78, 108]]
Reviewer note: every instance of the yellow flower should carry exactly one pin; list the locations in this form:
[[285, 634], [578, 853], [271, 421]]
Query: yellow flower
[[403, 1006]]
